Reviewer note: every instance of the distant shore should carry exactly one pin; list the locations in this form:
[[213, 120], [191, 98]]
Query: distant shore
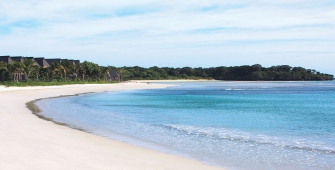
[[28, 142]]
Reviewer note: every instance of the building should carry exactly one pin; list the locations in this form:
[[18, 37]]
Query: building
[[113, 75], [53, 60], [6, 59], [42, 62], [17, 58], [76, 61], [29, 58], [71, 61]]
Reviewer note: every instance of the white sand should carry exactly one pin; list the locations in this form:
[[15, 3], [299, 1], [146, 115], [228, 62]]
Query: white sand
[[30, 143], [170, 81]]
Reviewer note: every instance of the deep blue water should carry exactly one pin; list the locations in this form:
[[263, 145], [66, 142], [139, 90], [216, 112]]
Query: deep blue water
[[236, 125]]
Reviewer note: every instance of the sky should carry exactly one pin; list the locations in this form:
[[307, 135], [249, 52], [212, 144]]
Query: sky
[[173, 33]]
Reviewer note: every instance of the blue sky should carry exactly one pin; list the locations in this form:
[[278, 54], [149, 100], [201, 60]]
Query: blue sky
[[173, 33]]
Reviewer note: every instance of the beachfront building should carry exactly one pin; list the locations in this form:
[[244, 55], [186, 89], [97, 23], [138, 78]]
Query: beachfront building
[[71, 61], [15, 68], [113, 75], [59, 61], [6, 59], [17, 58], [53, 60], [42, 62], [29, 58]]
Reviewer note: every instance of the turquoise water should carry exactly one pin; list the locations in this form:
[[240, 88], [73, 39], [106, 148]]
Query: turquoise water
[[236, 125]]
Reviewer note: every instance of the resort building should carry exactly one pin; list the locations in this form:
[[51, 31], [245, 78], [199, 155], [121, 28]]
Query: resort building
[[113, 75], [6, 59], [17, 58], [53, 60], [71, 61], [29, 58], [42, 62]]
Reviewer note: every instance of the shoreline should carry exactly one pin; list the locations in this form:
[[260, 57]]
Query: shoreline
[[35, 110], [29, 142]]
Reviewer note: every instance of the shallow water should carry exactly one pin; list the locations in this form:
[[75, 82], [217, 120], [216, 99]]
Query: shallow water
[[236, 125]]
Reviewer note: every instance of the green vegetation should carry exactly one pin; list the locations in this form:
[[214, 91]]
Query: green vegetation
[[29, 73], [246, 73]]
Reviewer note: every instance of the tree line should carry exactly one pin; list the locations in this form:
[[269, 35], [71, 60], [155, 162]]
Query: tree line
[[238, 73], [28, 70]]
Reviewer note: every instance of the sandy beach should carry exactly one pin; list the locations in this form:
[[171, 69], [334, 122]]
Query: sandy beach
[[28, 142]]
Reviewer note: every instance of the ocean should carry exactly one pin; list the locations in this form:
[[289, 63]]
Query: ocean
[[234, 125]]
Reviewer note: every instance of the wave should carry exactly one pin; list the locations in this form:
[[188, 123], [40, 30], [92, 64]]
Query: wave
[[244, 137], [231, 89]]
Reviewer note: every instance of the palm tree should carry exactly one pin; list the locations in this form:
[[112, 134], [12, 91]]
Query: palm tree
[[18, 69], [62, 71], [28, 67], [45, 73], [83, 71], [36, 71], [68, 68], [121, 70], [54, 69], [4, 67], [58, 68], [76, 69], [105, 72]]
